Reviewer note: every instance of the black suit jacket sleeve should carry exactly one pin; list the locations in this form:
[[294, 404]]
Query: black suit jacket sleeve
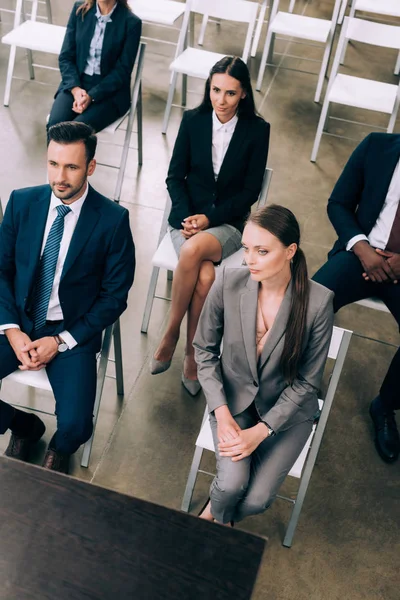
[[177, 172], [67, 59], [121, 73], [240, 203], [346, 195], [117, 279], [8, 308]]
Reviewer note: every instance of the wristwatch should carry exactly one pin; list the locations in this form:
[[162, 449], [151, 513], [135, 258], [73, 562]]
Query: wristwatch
[[62, 346], [271, 432]]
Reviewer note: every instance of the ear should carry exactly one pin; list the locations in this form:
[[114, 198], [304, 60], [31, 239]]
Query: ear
[[91, 167], [291, 251], [243, 96]]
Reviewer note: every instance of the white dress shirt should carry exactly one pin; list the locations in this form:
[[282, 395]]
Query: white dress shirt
[[379, 234], [54, 311], [96, 45], [221, 138]]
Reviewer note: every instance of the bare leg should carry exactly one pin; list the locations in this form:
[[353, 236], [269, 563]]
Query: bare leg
[[202, 246], [204, 282], [206, 513]]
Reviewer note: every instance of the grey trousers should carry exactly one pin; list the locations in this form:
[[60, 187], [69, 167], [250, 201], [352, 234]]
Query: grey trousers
[[249, 486]]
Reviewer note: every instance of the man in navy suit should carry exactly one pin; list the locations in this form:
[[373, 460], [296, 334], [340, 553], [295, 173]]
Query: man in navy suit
[[364, 209], [67, 262]]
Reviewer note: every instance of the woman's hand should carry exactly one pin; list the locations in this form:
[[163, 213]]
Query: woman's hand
[[197, 222], [227, 428], [81, 100], [245, 443]]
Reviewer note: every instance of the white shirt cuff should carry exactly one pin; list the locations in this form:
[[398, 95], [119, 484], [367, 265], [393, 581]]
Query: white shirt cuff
[[354, 240], [8, 326], [68, 339]]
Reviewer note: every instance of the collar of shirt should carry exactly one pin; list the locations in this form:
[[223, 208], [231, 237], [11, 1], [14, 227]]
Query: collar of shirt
[[105, 18], [75, 207], [229, 126]]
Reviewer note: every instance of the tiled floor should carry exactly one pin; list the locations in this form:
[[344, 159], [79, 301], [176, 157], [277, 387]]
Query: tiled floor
[[347, 543]]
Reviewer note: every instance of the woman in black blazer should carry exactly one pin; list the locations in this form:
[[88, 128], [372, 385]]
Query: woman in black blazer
[[214, 177], [96, 62]]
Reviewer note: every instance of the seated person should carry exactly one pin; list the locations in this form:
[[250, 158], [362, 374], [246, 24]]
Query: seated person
[[96, 62], [67, 261], [214, 177], [364, 209], [262, 392]]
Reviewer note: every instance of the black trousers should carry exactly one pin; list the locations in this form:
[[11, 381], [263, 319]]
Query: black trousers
[[343, 275], [98, 114], [72, 375]]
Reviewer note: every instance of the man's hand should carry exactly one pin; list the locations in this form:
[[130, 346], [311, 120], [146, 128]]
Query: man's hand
[[18, 342], [393, 260], [376, 268], [245, 443], [42, 350]]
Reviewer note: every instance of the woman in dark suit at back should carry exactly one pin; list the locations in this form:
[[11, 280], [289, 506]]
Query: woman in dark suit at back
[[214, 177], [96, 62]]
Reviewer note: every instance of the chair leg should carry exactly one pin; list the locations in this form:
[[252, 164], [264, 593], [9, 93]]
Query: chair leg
[[323, 70], [266, 56], [191, 481], [30, 64], [320, 129], [170, 275], [101, 375], [397, 67], [139, 113], [203, 30], [257, 34], [342, 11], [170, 99], [10, 71], [119, 372], [48, 11], [291, 5], [150, 298], [184, 89]]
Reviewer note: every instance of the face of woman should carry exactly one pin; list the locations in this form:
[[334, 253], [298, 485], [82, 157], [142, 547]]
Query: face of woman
[[225, 94], [266, 257]]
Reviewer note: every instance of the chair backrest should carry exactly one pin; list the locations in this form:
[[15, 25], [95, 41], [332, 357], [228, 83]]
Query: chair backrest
[[20, 12], [335, 12], [369, 32], [390, 8], [239, 11], [262, 198]]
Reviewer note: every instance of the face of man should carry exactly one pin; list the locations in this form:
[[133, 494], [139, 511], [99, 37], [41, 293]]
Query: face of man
[[68, 170]]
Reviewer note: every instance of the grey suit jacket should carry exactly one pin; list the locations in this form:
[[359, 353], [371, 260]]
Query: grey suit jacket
[[234, 378]]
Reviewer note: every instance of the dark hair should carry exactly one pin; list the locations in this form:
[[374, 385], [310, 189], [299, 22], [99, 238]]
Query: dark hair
[[71, 132], [236, 68], [282, 223], [88, 4]]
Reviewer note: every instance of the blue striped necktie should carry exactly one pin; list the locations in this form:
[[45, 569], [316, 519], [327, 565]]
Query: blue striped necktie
[[47, 268]]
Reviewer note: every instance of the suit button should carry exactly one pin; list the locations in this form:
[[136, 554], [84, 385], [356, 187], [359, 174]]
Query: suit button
[[255, 383]]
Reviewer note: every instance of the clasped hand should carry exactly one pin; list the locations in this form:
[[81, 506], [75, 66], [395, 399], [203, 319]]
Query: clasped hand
[[81, 100], [385, 266], [235, 442], [194, 224], [33, 355]]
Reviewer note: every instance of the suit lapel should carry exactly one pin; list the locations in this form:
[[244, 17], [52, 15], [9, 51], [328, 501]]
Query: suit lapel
[[231, 156], [278, 328], [38, 213], [248, 316], [86, 223]]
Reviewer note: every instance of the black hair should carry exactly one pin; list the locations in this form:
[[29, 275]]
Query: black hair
[[71, 132]]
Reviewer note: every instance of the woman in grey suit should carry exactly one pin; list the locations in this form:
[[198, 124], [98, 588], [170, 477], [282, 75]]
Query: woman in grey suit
[[262, 390]]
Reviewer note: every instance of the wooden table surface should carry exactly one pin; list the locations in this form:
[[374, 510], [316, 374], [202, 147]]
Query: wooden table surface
[[64, 539]]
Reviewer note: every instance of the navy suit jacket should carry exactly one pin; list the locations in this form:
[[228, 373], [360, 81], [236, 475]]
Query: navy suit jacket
[[120, 46], [98, 270], [191, 182], [360, 193]]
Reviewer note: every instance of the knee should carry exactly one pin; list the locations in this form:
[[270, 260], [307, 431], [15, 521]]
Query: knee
[[72, 433], [230, 488], [254, 504], [206, 279]]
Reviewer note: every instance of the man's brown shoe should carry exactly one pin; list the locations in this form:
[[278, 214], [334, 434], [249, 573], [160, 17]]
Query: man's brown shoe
[[20, 447], [54, 461]]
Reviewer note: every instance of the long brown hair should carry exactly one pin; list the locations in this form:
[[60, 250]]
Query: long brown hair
[[282, 223], [88, 4]]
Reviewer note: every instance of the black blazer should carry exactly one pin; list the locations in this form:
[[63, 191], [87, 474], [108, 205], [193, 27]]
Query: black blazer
[[360, 193], [98, 270], [191, 182], [120, 46]]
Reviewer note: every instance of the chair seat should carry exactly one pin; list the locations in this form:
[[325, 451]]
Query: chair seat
[[383, 7], [35, 379], [33, 35], [205, 440], [111, 129], [363, 93], [375, 303], [306, 28], [162, 12], [165, 255], [195, 63]]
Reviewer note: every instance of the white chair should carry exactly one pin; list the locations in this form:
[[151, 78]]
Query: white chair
[[304, 28], [31, 35], [375, 303], [165, 256], [303, 467], [135, 109], [39, 379], [162, 13], [387, 8], [194, 62], [48, 17], [355, 91]]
